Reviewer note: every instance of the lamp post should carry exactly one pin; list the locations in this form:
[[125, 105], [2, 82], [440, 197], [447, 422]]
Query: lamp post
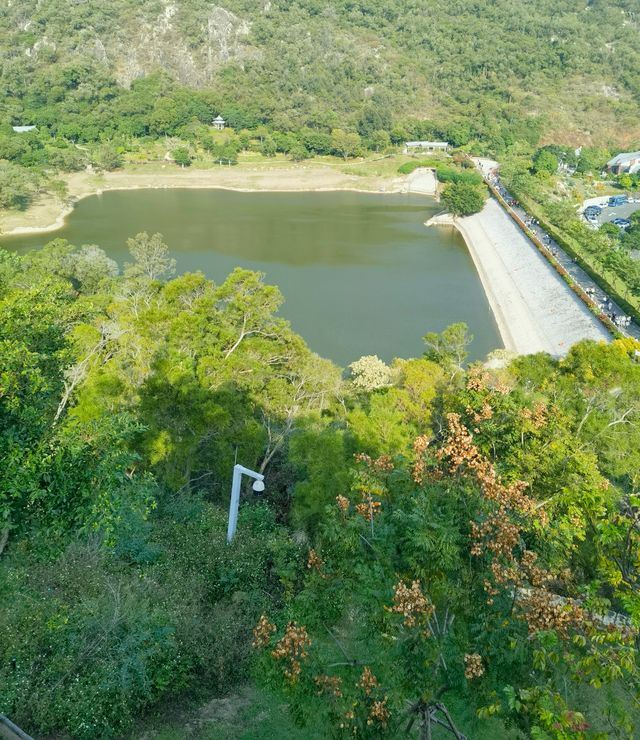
[[258, 487]]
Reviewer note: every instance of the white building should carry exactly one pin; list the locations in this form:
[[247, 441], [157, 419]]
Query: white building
[[625, 163], [23, 129], [219, 123], [426, 146]]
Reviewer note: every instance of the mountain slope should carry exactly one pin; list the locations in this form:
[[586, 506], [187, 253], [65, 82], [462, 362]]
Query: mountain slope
[[571, 63]]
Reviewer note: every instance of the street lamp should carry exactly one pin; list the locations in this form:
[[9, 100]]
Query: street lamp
[[258, 487]]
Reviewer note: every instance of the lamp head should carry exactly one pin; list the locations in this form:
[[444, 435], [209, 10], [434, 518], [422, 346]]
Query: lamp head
[[258, 486]]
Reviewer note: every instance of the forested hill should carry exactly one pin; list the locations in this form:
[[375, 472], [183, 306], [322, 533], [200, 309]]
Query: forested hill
[[565, 68], [431, 535]]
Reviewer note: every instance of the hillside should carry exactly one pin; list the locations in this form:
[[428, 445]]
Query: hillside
[[436, 544], [430, 535], [506, 69]]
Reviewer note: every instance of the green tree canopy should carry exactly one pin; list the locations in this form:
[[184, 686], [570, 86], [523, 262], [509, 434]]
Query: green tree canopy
[[182, 157], [545, 162], [462, 199]]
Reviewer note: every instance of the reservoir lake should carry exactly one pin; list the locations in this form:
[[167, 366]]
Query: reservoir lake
[[359, 272]]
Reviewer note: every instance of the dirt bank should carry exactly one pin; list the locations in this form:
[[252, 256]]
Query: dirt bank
[[49, 213]]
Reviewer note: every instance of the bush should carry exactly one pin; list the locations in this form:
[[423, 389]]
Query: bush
[[91, 641], [444, 172], [18, 186], [182, 157], [108, 157], [451, 174], [545, 162], [408, 167], [298, 153], [84, 649]]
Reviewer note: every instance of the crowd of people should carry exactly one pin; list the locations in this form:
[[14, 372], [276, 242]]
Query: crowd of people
[[605, 304]]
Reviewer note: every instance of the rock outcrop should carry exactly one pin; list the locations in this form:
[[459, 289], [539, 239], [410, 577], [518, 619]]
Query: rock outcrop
[[189, 47]]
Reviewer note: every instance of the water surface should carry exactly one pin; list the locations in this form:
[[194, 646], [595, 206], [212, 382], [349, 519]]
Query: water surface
[[359, 272]]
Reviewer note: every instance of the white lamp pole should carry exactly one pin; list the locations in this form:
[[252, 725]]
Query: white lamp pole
[[258, 487]]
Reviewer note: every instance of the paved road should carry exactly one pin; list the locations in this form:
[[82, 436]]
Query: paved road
[[608, 214], [489, 169]]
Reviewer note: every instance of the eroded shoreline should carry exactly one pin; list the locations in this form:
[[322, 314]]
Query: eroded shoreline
[[49, 215]]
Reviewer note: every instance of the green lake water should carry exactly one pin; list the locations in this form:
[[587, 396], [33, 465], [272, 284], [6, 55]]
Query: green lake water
[[360, 273]]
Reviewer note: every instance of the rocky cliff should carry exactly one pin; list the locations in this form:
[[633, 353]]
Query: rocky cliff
[[131, 39]]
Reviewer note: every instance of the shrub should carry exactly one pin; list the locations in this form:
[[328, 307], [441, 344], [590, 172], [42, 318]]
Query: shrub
[[83, 649], [451, 174], [182, 157], [408, 167], [18, 186], [444, 172], [91, 641]]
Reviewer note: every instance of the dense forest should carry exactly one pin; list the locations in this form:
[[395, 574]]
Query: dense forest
[[435, 541], [442, 546], [503, 71]]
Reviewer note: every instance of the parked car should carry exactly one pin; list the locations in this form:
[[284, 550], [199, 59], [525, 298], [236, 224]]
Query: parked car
[[591, 213], [621, 223], [617, 200]]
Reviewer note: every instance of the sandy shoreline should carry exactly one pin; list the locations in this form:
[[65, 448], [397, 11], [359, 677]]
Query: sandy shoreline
[[534, 309], [49, 214]]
